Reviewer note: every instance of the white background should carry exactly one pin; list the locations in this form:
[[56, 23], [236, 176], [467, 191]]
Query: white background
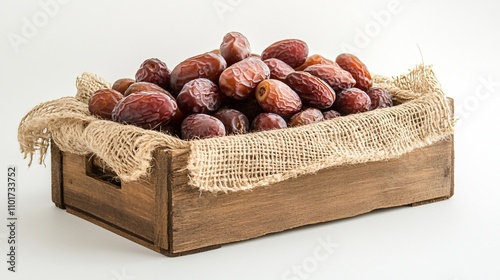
[[456, 239]]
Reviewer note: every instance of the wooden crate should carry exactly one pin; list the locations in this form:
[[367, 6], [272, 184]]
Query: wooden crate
[[165, 215]]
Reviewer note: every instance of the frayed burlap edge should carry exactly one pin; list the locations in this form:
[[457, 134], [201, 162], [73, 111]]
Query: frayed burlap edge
[[244, 162]]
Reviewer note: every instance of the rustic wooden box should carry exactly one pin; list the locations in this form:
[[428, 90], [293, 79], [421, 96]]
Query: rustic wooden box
[[165, 215]]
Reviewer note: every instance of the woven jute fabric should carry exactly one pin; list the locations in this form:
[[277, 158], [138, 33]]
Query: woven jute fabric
[[243, 162]]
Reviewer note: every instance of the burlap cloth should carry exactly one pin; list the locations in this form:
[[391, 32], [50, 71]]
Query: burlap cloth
[[244, 162]]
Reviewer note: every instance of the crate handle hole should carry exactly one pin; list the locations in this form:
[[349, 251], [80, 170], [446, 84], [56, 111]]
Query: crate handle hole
[[95, 168]]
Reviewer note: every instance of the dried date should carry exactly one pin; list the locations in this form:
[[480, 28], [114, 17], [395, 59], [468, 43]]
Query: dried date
[[313, 60], [234, 47], [199, 96], [291, 51], [102, 102], [312, 90], [235, 122], [154, 71], [121, 85], [239, 80], [279, 69], [201, 126], [208, 65], [145, 86], [307, 116], [358, 70], [331, 114], [352, 101], [380, 98], [277, 97], [333, 75], [145, 109], [268, 121]]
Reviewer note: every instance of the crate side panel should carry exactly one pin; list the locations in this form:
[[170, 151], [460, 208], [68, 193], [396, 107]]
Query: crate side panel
[[201, 220], [130, 207]]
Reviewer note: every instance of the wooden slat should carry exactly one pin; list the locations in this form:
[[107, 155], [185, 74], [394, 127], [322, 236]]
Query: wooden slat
[[200, 220], [57, 175], [159, 177], [130, 207]]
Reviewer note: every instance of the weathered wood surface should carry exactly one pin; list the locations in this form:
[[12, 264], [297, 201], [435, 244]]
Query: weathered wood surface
[[130, 206], [201, 220]]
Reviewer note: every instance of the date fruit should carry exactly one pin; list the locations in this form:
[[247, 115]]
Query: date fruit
[[352, 101], [199, 96], [102, 102], [313, 60], [201, 126], [145, 109], [145, 86], [291, 51], [307, 116], [358, 70], [121, 85], [333, 75], [208, 65], [331, 114], [277, 97], [279, 69], [380, 98], [234, 47], [235, 122], [239, 80], [312, 90], [154, 71], [268, 121]]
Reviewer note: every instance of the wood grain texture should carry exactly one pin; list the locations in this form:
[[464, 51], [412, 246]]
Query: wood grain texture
[[200, 220], [130, 206], [57, 175], [159, 180]]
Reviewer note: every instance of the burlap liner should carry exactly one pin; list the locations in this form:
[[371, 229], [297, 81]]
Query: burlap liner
[[243, 162]]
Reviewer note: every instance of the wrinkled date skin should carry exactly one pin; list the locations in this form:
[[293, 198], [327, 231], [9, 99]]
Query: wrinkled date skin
[[121, 85], [380, 98], [154, 71], [235, 122], [145, 86], [145, 109], [352, 101], [201, 126], [313, 60], [208, 65], [312, 90], [103, 101], [277, 97], [358, 70], [234, 47], [199, 96], [268, 121], [291, 51], [333, 75], [279, 69], [239, 80], [331, 114], [307, 116]]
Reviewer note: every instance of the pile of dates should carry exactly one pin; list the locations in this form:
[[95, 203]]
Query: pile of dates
[[231, 90]]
